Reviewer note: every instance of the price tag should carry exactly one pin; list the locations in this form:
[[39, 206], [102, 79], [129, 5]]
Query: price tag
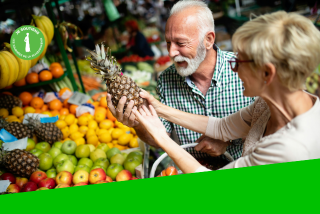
[[78, 98], [19, 144], [4, 185], [7, 137]]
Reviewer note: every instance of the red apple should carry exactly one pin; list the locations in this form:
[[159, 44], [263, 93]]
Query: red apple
[[134, 178], [80, 184], [81, 176], [64, 177], [124, 175], [37, 176], [101, 181], [97, 175], [30, 186], [8, 176], [21, 181], [109, 179], [47, 182], [13, 188], [62, 186]]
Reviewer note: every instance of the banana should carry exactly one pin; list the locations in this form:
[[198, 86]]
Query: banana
[[13, 66], [45, 44], [49, 27], [4, 73], [24, 65]]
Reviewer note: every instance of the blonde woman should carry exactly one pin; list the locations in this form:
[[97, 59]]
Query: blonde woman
[[276, 53]]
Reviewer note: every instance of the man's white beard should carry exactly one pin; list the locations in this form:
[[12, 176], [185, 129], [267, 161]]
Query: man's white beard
[[193, 64]]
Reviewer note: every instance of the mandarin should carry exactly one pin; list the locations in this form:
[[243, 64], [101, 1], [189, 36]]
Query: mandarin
[[32, 78], [45, 75], [25, 97], [55, 105], [36, 102]]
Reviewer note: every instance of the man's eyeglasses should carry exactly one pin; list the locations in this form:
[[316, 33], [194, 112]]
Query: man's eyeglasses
[[234, 64]]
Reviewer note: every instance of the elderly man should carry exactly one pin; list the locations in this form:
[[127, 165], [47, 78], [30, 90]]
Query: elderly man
[[200, 81]]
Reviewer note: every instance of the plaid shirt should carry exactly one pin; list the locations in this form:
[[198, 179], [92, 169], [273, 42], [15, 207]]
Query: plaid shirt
[[223, 98]]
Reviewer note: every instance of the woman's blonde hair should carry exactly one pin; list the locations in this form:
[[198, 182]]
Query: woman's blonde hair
[[289, 41]]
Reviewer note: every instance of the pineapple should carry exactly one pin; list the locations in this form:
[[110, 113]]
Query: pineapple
[[17, 129], [47, 132], [118, 85], [9, 102], [19, 162]]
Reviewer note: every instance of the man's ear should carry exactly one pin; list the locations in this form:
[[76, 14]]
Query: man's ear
[[209, 40]]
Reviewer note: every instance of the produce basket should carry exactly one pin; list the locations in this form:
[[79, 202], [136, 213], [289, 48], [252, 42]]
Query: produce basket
[[163, 156]]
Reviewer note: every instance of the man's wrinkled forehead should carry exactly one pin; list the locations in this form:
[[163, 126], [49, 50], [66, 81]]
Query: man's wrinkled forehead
[[181, 26]]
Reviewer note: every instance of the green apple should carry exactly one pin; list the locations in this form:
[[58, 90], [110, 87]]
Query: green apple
[[125, 155], [82, 167], [43, 146], [82, 151], [73, 159], [54, 152], [30, 144], [104, 147], [36, 152], [57, 144], [101, 167], [85, 161], [131, 164], [96, 154], [92, 147], [59, 159], [52, 173], [69, 147], [65, 165], [104, 162], [113, 170], [136, 155], [117, 158], [45, 161], [112, 152]]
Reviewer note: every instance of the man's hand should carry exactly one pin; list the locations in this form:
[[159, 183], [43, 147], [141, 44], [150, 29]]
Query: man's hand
[[211, 146], [127, 118], [150, 100]]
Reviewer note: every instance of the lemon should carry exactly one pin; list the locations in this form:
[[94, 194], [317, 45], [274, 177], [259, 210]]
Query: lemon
[[65, 132], [90, 117], [90, 132], [73, 128], [4, 113], [126, 129], [124, 139], [106, 124], [21, 118], [30, 109], [134, 142], [99, 117], [101, 131], [110, 145], [114, 142], [69, 119], [105, 137], [17, 111], [116, 133], [93, 139], [120, 147], [76, 135], [62, 117], [133, 131], [80, 141], [14, 120], [83, 121], [75, 121], [97, 130], [83, 129], [65, 140], [11, 117], [92, 124], [61, 124], [47, 113], [118, 124], [111, 130]]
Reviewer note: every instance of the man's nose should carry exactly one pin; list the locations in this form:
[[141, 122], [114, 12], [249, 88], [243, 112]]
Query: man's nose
[[173, 51]]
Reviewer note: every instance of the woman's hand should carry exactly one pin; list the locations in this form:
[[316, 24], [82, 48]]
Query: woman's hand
[[150, 121], [151, 100]]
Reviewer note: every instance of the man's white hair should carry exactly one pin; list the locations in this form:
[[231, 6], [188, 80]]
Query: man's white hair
[[204, 15]]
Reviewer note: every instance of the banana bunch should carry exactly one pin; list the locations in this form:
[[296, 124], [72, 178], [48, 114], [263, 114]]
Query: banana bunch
[[12, 68], [45, 25]]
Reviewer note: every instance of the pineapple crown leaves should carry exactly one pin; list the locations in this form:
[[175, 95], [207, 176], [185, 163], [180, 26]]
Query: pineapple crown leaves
[[33, 121], [104, 63]]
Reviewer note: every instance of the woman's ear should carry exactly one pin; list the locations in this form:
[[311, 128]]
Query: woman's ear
[[209, 40], [269, 73]]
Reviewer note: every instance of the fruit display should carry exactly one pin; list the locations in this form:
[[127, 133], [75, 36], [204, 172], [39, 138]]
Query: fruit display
[[169, 171], [17, 129], [135, 58], [118, 84]]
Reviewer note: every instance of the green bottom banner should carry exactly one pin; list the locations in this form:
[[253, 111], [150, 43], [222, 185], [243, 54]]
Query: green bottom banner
[[277, 188]]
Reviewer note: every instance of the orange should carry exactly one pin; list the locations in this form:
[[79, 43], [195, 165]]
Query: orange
[[64, 111], [45, 75], [103, 102], [101, 110], [55, 113], [25, 97], [56, 71], [95, 104], [54, 64], [8, 87], [110, 116], [66, 104], [21, 82], [45, 107], [55, 105], [7, 92], [73, 109], [32, 78], [38, 111], [36, 102], [63, 90]]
